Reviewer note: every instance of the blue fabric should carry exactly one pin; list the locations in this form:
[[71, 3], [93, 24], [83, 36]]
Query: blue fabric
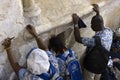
[[62, 63], [65, 57], [62, 66], [73, 67], [70, 53], [53, 66], [106, 36], [52, 70], [21, 73], [49, 52], [62, 57], [75, 70], [59, 78], [47, 76], [53, 60]]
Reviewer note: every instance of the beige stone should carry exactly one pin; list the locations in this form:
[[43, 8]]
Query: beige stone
[[49, 17]]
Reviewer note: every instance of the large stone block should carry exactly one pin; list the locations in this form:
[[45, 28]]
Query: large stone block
[[55, 18]]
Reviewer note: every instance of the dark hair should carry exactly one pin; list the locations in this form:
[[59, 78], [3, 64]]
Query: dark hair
[[97, 19], [56, 44], [97, 23]]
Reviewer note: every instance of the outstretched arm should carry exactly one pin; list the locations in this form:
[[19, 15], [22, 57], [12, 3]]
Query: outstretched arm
[[96, 9], [39, 41], [77, 35], [7, 44]]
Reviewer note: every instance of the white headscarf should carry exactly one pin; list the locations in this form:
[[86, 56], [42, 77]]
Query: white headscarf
[[38, 61]]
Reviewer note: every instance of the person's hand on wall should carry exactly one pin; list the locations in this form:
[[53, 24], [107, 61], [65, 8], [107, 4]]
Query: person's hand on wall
[[75, 18], [39, 40], [95, 8], [31, 30], [77, 21], [7, 43]]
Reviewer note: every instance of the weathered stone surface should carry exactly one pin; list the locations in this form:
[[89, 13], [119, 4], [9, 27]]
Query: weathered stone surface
[[55, 17]]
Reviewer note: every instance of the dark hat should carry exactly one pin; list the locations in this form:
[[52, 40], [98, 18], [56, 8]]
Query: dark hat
[[81, 24]]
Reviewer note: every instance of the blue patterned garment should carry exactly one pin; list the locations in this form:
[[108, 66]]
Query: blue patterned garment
[[62, 64], [25, 74], [52, 59], [106, 36]]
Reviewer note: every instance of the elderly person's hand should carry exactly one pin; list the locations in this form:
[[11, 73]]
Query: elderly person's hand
[[31, 30]]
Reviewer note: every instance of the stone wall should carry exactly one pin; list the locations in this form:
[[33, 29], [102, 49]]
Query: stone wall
[[49, 17]]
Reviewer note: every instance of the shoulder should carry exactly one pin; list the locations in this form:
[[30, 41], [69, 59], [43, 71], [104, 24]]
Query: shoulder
[[105, 33], [25, 74], [49, 52], [51, 55], [108, 29]]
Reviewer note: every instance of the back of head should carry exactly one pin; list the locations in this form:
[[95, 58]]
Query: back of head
[[97, 19], [38, 61], [56, 44]]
